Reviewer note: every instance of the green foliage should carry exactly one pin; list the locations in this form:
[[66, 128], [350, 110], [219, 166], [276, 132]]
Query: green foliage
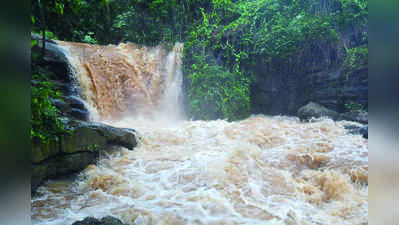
[[33, 43], [229, 45], [89, 39], [356, 57], [49, 34], [214, 92], [143, 22], [44, 124], [353, 106]]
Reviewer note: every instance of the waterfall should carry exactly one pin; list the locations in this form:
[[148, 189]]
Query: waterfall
[[127, 79], [261, 170]]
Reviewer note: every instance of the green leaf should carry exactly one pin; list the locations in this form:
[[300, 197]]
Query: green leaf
[[33, 43]]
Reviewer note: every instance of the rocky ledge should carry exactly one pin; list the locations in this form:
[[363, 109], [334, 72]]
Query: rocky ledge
[[108, 220], [315, 110], [82, 141], [78, 147]]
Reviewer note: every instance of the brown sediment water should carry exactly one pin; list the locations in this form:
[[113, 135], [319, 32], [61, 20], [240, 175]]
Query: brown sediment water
[[261, 170], [125, 79]]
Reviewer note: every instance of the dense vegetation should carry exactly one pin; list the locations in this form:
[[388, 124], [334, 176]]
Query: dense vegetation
[[229, 44], [45, 125]]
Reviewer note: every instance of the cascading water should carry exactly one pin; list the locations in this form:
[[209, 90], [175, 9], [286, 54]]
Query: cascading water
[[262, 170], [127, 79]]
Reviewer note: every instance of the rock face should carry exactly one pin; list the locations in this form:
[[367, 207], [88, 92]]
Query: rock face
[[364, 131], [357, 116], [109, 220], [76, 149], [55, 59], [333, 88], [359, 130], [82, 141], [315, 110]]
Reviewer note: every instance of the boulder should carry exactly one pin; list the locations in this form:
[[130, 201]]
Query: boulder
[[75, 149], [364, 131], [79, 114], [71, 106], [314, 110], [60, 165], [357, 116], [75, 102], [108, 220], [53, 53], [358, 130], [124, 137]]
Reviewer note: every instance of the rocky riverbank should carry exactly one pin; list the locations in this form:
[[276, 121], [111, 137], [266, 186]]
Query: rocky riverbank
[[82, 141], [315, 110], [76, 149]]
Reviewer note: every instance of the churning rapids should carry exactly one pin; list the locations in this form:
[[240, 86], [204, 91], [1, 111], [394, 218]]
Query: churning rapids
[[261, 170]]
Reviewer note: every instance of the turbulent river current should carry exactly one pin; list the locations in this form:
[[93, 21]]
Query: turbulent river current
[[261, 170]]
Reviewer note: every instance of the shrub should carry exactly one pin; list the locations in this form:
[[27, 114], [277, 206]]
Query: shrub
[[353, 106], [44, 124], [215, 92]]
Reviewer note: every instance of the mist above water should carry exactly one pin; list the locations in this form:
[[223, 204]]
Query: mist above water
[[261, 170]]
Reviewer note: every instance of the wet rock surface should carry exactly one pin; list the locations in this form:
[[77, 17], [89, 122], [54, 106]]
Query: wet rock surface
[[359, 130], [82, 141], [314, 110], [278, 93], [109, 220], [78, 147], [357, 116], [60, 74]]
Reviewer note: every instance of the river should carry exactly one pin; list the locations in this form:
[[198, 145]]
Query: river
[[261, 170]]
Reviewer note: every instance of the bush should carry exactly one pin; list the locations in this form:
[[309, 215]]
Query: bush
[[353, 106], [215, 92], [44, 124], [356, 57]]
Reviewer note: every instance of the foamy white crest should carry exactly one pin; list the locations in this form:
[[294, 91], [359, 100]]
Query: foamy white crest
[[262, 170], [273, 170]]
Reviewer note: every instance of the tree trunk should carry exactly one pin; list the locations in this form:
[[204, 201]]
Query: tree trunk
[[43, 31]]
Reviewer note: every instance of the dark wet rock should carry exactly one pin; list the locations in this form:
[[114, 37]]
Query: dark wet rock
[[124, 137], [278, 93], [82, 141], [71, 106], [358, 130], [77, 148], [59, 166], [57, 65], [314, 110], [79, 114], [66, 88], [357, 116], [52, 53], [109, 220], [364, 131], [75, 102], [60, 105]]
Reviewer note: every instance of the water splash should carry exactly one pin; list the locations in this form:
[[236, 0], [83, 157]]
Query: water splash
[[273, 170], [262, 170], [127, 79]]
